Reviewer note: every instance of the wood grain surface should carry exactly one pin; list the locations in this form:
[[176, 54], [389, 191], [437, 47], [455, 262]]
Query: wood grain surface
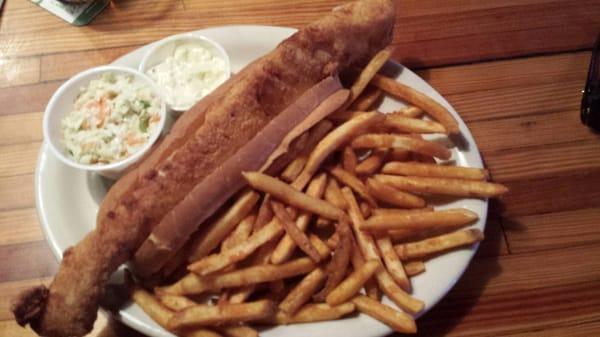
[[513, 69]]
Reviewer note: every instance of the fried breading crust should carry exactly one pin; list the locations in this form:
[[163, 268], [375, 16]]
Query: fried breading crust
[[228, 118]]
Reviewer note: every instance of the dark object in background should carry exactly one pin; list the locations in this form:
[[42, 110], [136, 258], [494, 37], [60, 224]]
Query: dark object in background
[[590, 100], [75, 12]]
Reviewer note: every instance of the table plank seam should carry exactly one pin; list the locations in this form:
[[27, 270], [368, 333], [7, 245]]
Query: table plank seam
[[138, 45], [501, 59], [506, 242], [20, 208], [31, 84], [534, 147], [491, 119], [575, 245], [552, 326]]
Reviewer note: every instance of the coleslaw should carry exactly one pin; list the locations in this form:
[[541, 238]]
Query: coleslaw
[[112, 118]]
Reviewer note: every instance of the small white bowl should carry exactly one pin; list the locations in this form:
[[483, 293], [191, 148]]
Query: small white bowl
[[165, 48], [61, 104]]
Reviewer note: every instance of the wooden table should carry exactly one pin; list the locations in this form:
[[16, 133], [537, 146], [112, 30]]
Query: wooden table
[[514, 70]]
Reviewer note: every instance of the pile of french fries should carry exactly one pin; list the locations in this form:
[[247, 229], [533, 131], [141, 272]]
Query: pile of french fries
[[350, 213]]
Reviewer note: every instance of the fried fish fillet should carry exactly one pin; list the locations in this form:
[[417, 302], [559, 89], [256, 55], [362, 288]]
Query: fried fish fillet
[[201, 140]]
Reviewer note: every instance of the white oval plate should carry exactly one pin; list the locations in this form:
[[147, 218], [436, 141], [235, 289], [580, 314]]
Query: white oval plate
[[68, 199]]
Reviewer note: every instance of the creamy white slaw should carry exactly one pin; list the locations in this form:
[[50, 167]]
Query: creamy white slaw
[[189, 74], [112, 118]]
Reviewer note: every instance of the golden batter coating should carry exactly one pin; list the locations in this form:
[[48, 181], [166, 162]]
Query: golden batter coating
[[201, 140]]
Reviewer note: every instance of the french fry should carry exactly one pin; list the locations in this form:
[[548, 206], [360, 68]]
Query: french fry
[[444, 186], [333, 194], [333, 240], [261, 257], [385, 211], [422, 158], [354, 183], [285, 248], [222, 226], [397, 320], [316, 313], [365, 209], [392, 262], [162, 315], [412, 125], [201, 333], [414, 268], [322, 222], [403, 235], [420, 232], [228, 257], [367, 73], [336, 138], [175, 302], [363, 79], [419, 221], [336, 269], [151, 306], [393, 196], [293, 169], [302, 293], [349, 160], [321, 246], [369, 251], [314, 136], [398, 155], [428, 247], [409, 111], [365, 241], [368, 98], [418, 99], [373, 163], [223, 298], [371, 287], [375, 140], [240, 233], [265, 213], [238, 331], [203, 315], [193, 284], [240, 295], [433, 170], [352, 284], [294, 232], [264, 255], [291, 196]]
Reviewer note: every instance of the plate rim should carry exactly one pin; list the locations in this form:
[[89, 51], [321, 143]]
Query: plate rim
[[137, 324]]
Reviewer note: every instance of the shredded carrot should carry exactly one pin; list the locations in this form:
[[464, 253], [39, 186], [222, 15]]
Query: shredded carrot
[[154, 119]]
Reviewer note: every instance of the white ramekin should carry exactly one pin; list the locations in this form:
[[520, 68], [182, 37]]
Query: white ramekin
[[165, 47], [61, 104]]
